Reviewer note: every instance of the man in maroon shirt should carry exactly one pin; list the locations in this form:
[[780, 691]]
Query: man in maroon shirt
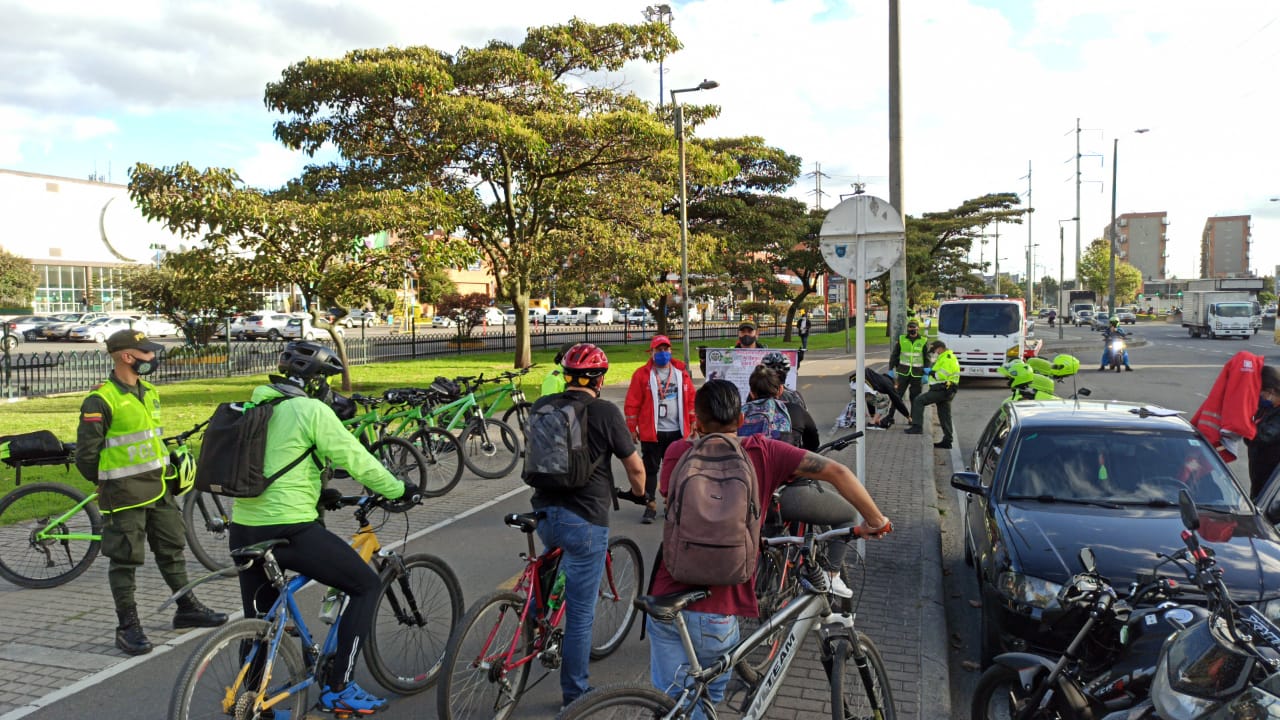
[[712, 624]]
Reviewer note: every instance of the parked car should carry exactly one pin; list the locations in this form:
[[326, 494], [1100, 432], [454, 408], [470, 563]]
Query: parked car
[[536, 315], [553, 315], [300, 328], [639, 316], [268, 325], [99, 330], [36, 331], [1100, 322], [494, 316], [444, 321], [1127, 316], [1083, 317], [62, 330], [600, 316], [157, 326], [21, 325], [356, 317], [1051, 477]]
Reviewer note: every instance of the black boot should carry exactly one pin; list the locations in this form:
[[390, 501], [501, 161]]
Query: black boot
[[129, 635], [192, 613]]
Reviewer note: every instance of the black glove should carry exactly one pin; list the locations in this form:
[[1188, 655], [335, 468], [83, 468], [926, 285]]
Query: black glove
[[412, 495], [627, 495]]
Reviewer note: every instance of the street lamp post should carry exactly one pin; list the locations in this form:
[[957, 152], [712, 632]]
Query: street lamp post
[[684, 217], [1111, 230], [1061, 274], [662, 14]]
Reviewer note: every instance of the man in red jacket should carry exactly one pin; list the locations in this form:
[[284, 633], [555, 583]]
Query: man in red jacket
[[1226, 415], [659, 411]]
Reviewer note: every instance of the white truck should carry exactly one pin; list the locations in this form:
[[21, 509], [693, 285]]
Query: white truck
[[1220, 313]]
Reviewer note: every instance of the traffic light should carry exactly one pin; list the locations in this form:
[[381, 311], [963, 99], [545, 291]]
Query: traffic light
[[1179, 293], [1157, 295]]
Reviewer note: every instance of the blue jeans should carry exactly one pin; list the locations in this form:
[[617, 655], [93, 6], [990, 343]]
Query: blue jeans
[[583, 547], [712, 636]]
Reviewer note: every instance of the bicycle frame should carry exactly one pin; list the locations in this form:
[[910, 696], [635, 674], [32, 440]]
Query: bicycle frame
[[48, 533], [490, 400], [458, 411]]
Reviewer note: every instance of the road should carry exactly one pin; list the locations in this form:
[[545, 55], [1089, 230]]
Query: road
[[1172, 370]]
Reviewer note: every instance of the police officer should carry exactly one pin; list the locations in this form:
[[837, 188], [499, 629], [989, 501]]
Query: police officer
[[945, 370], [907, 362], [119, 447]]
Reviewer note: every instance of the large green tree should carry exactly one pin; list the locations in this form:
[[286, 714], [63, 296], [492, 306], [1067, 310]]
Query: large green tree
[[939, 244], [18, 281], [1095, 272], [195, 289], [515, 133], [307, 234]]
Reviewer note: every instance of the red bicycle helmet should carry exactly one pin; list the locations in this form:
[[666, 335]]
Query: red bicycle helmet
[[586, 360]]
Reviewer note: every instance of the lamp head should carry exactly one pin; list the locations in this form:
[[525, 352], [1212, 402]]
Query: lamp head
[[708, 85]]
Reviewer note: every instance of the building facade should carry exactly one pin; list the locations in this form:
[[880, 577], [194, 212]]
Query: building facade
[[1224, 246], [1141, 240]]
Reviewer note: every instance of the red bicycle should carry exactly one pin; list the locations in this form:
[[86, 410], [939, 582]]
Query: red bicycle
[[487, 663]]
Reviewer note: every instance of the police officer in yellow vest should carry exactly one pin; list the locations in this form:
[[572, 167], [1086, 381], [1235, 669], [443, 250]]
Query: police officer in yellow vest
[[119, 447], [906, 360], [945, 371]]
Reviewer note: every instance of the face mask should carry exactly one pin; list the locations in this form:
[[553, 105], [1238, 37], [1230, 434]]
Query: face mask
[[661, 358], [1264, 403], [145, 367], [747, 339]]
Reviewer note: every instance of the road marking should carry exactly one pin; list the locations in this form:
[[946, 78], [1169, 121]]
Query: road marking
[[104, 675]]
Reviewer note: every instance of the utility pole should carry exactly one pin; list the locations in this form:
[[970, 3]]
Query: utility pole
[[997, 280], [1076, 285], [1030, 272], [817, 176], [897, 273]]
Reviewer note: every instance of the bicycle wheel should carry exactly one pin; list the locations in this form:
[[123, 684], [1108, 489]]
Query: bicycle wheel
[[39, 547], [517, 416], [620, 702], [619, 587], [403, 460], [207, 683], [859, 681], [475, 682], [774, 587], [444, 460], [490, 448], [416, 612], [208, 520]]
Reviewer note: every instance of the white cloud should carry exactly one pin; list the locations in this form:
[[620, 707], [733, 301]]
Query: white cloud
[[270, 166]]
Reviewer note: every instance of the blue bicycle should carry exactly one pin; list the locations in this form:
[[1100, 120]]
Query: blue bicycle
[[253, 668]]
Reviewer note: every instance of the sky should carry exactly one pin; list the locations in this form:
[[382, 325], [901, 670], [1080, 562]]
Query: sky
[[991, 88]]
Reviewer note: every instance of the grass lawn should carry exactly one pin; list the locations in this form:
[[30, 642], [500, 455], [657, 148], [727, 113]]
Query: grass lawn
[[187, 403]]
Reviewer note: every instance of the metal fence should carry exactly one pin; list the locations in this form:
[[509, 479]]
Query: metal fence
[[34, 374]]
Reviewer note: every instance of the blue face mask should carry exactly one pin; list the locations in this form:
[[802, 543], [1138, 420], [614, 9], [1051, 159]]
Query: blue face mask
[[662, 358], [1264, 403]]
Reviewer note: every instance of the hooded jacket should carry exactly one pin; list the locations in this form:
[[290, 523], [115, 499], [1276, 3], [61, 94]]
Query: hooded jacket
[[1227, 414], [642, 398]]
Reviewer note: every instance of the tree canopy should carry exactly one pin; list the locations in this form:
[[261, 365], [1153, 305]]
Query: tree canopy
[[18, 280], [195, 289], [1095, 273]]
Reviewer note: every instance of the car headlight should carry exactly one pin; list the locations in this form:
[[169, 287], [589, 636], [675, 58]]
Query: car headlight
[[1171, 704], [1028, 590]]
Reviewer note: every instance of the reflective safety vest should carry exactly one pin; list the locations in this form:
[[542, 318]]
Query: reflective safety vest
[[911, 356], [946, 368], [134, 445]]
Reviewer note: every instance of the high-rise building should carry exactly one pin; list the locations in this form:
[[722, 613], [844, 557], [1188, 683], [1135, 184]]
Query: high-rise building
[[1224, 246], [1141, 241]]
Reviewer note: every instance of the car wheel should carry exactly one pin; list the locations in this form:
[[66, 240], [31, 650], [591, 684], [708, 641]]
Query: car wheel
[[310, 337], [273, 334], [99, 338], [10, 342]]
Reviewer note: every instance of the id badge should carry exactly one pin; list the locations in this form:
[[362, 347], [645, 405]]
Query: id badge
[[662, 411]]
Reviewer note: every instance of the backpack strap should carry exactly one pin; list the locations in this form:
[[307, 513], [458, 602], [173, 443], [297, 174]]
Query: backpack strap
[[310, 452]]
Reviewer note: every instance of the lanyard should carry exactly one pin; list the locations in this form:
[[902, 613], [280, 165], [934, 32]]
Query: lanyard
[[662, 386]]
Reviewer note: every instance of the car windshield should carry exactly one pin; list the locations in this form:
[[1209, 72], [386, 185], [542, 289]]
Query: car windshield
[[1122, 467], [1241, 310], [978, 319]]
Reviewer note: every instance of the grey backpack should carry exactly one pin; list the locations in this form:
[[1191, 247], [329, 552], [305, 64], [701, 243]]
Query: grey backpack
[[712, 531], [557, 452]]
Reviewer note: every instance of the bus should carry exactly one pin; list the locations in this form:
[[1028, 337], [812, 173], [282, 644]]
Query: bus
[[985, 333]]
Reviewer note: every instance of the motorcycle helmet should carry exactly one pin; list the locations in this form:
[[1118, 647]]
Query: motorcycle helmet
[[1022, 379], [1013, 370], [1115, 321], [1064, 365], [1041, 384], [1039, 365], [180, 473]]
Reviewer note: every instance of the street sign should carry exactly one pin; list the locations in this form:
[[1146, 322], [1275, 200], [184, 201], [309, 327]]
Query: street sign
[[865, 220]]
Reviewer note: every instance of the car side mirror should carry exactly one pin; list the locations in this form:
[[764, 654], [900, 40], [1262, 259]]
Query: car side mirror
[[1272, 513], [968, 482], [1187, 506]]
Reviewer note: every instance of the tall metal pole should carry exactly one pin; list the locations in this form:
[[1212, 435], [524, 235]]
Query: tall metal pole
[[1076, 285], [1111, 229], [997, 257], [684, 234], [897, 273], [1030, 271], [1062, 264]]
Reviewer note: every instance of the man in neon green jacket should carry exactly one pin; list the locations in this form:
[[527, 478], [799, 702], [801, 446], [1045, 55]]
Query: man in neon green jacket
[[945, 373], [301, 426]]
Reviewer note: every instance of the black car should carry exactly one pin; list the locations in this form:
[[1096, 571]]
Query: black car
[[1051, 477]]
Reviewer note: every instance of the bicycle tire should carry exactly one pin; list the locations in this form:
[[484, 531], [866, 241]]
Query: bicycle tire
[[620, 702], [615, 615], [49, 562], [410, 632], [490, 448], [402, 459], [444, 460], [208, 521], [864, 693], [207, 676], [520, 412], [486, 632]]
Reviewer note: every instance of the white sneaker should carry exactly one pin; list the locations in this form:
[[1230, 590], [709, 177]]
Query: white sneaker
[[838, 588]]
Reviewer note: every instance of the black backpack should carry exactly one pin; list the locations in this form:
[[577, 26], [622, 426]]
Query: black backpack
[[557, 451], [235, 443]]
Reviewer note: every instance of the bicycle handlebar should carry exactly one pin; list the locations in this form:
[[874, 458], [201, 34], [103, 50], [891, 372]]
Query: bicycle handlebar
[[855, 531], [181, 438], [840, 443]]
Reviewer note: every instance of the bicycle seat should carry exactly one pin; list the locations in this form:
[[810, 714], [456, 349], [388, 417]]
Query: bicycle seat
[[526, 522], [664, 607], [257, 550]]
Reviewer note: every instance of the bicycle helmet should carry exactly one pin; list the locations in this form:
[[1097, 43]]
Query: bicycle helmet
[[1039, 365], [180, 473], [778, 362], [585, 360], [1064, 365], [307, 361]]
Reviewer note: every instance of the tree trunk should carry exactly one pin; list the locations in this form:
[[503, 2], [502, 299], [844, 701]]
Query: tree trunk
[[524, 345]]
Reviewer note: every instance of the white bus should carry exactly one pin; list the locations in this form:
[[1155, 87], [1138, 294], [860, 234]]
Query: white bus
[[984, 333]]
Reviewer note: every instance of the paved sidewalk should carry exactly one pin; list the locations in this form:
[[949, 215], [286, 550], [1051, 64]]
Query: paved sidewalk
[[60, 641]]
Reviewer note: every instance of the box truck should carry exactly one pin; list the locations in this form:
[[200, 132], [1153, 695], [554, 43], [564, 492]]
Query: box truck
[[1220, 313]]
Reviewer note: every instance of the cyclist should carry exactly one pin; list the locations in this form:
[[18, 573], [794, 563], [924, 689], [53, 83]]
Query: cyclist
[[778, 362], [554, 382], [712, 623], [577, 520], [305, 426]]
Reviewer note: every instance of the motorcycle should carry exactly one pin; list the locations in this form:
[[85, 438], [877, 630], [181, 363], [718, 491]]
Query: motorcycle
[[1108, 665], [1116, 347], [1224, 667]]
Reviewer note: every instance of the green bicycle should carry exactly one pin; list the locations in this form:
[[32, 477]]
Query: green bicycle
[[490, 448], [405, 420], [506, 387], [50, 533], [396, 454]]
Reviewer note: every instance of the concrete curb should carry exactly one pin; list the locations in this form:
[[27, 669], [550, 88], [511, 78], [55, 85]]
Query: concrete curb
[[935, 671]]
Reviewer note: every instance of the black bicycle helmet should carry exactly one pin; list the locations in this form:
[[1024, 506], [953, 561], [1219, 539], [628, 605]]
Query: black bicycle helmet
[[306, 361], [778, 362]]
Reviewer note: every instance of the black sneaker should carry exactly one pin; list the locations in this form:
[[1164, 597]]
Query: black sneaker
[[944, 445], [914, 430], [650, 514]]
